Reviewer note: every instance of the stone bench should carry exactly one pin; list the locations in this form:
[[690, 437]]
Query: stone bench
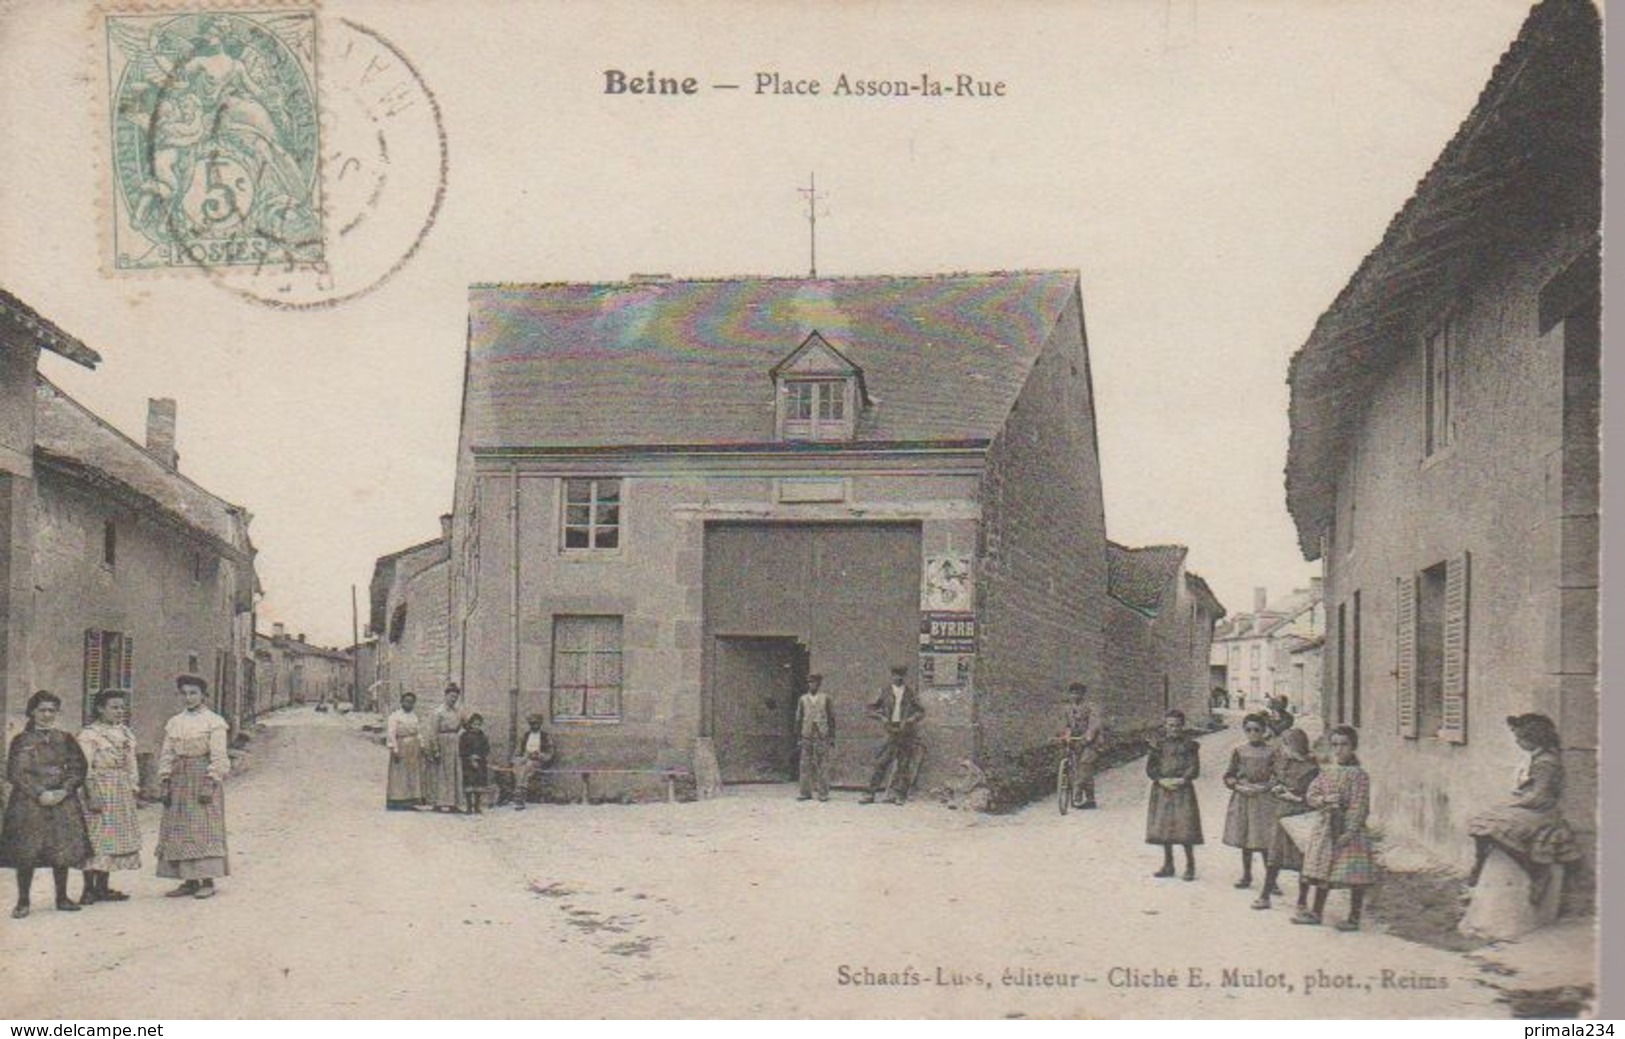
[[670, 775], [1500, 906]]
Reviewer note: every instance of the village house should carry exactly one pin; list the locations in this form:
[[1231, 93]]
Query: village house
[[410, 611], [675, 499], [290, 670], [1444, 452], [137, 574], [1273, 651], [1159, 631]]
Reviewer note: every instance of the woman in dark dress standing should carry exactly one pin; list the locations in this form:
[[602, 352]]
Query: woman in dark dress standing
[[44, 820], [1173, 815]]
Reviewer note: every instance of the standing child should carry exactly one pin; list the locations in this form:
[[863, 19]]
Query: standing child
[[1251, 816], [1083, 733], [815, 727], [1173, 815], [1338, 851], [1294, 770], [474, 747]]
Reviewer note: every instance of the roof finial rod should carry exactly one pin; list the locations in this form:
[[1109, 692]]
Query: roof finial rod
[[811, 191]]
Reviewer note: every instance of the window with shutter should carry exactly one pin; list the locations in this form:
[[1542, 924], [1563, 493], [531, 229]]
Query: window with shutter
[[1405, 655], [93, 670], [1453, 726]]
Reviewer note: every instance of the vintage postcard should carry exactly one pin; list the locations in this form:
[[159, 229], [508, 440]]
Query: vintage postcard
[[1064, 509]]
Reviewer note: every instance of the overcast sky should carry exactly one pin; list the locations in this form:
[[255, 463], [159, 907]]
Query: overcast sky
[[1215, 172]]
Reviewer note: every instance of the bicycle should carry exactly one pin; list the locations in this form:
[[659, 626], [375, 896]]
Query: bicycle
[[1066, 773]]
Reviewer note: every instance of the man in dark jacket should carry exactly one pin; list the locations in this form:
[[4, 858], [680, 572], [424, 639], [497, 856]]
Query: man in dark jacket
[[899, 710]]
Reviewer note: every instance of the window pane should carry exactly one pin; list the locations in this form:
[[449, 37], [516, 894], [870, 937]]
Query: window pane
[[608, 490], [576, 537], [608, 537], [609, 515], [578, 490], [577, 515]]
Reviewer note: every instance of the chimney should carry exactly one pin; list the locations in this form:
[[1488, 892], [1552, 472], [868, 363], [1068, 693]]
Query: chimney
[[1261, 600], [445, 528], [1317, 589], [161, 431], [279, 631], [300, 636]]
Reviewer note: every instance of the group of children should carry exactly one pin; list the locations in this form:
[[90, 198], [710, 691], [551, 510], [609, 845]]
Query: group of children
[[1285, 809]]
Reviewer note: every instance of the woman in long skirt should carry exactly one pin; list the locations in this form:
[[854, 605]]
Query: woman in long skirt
[[193, 764], [1250, 819], [44, 820], [1173, 815], [1530, 827], [445, 759], [1295, 768], [1338, 851], [109, 795], [403, 737]]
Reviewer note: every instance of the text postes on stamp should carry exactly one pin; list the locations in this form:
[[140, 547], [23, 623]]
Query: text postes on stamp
[[215, 137]]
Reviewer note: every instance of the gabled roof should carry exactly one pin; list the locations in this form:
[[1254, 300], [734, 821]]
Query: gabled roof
[[1526, 163], [1140, 577], [400, 565], [72, 438], [688, 362], [46, 334], [1199, 588]]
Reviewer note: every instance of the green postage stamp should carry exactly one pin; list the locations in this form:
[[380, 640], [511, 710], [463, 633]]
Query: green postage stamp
[[214, 131]]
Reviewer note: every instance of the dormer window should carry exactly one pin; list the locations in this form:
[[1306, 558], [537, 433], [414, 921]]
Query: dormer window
[[820, 392]]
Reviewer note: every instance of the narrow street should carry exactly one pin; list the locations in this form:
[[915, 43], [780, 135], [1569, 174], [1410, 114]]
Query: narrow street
[[750, 905]]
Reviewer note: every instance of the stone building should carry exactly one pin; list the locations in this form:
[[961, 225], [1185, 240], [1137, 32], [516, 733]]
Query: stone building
[[1444, 453], [410, 611], [1159, 633], [290, 670], [137, 573], [1273, 650], [677, 498]]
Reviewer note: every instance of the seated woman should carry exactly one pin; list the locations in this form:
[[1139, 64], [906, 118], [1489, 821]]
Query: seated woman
[[1530, 827]]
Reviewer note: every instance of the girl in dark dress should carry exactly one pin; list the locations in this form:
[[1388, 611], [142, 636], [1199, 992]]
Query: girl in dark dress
[[1172, 815], [1251, 817], [1295, 768], [474, 747], [44, 820]]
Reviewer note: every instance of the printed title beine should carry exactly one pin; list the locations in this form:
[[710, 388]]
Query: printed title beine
[[777, 84]]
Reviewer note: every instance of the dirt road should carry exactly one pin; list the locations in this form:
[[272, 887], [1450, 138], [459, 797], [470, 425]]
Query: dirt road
[[753, 904]]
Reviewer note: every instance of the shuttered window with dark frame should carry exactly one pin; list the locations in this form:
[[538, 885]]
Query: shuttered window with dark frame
[[1433, 612], [109, 661]]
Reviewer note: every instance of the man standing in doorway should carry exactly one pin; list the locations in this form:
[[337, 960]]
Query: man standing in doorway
[[901, 712], [815, 727]]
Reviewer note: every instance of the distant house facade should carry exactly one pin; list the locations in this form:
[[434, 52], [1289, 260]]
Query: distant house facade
[[1273, 651], [410, 615], [290, 670], [137, 573], [677, 499], [1444, 452], [1159, 633]]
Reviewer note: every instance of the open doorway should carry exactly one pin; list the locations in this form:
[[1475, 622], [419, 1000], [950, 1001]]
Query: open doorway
[[758, 680]]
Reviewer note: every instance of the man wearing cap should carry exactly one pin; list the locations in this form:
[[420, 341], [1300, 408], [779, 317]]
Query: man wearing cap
[[899, 709], [815, 725], [534, 753], [192, 769]]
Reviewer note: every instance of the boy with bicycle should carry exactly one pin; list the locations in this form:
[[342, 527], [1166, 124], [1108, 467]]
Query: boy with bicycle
[[1083, 736]]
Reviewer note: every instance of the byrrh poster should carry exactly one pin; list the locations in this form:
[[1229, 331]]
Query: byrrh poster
[[705, 509]]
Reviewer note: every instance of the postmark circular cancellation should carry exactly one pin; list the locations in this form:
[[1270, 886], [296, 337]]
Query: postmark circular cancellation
[[297, 162]]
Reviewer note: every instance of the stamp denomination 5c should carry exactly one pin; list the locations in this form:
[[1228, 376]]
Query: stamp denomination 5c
[[214, 131]]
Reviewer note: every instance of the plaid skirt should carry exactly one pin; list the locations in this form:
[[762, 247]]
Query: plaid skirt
[[192, 830], [115, 831], [1336, 859]]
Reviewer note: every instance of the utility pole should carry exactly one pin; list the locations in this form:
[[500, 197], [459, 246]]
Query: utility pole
[[355, 652], [811, 191]]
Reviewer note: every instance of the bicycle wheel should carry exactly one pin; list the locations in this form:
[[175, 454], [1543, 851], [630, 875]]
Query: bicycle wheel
[[1063, 784]]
